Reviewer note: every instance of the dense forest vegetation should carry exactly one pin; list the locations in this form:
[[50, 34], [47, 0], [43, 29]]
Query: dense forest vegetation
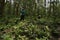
[[29, 20]]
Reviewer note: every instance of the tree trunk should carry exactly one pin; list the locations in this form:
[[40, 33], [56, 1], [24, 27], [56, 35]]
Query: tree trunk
[[2, 2]]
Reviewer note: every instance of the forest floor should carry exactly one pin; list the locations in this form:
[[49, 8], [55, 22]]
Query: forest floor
[[10, 28]]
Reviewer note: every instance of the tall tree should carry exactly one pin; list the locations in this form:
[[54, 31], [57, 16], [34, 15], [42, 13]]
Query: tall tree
[[2, 2]]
